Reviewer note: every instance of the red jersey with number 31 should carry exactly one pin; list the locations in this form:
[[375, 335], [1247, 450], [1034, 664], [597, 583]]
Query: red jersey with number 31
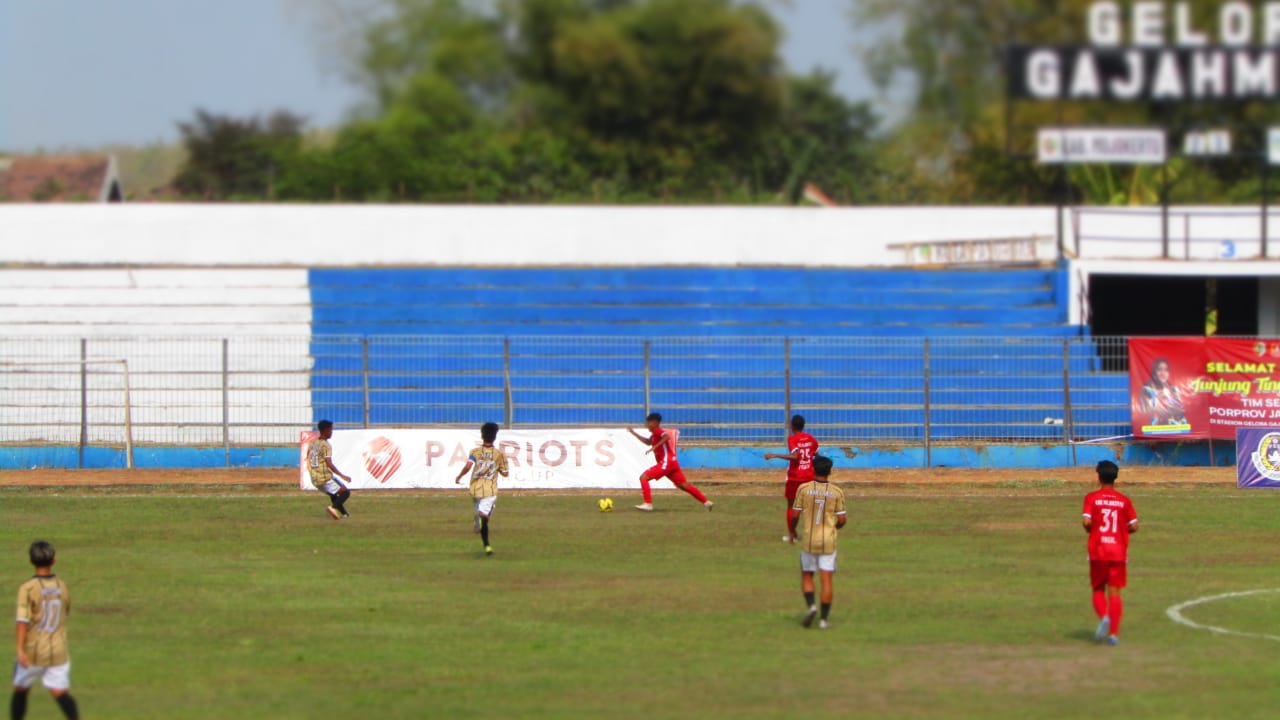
[[803, 447], [1110, 514]]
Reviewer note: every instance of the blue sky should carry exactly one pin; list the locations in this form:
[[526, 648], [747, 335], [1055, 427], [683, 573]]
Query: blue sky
[[83, 73]]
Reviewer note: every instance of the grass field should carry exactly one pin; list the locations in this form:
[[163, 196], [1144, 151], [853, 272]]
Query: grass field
[[957, 601]]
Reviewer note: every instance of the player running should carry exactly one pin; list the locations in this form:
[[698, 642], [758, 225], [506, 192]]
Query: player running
[[43, 606], [1109, 518], [324, 473], [488, 463], [819, 509], [666, 465], [801, 448]]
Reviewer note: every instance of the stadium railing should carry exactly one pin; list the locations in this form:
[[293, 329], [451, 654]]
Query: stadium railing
[[259, 392]]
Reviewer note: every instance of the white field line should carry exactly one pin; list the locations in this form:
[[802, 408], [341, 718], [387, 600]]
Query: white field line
[[1175, 614]]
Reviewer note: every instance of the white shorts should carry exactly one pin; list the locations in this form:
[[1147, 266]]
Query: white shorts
[[55, 677], [332, 487], [812, 563], [484, 505]]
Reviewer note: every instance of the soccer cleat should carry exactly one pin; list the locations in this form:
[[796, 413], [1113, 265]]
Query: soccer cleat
[[1113, 640], [786, 538], [809, 616], [333, 512], [345, 514], [645, 507], [1104, 629], [824, 625], [708, 505], [488, 549]]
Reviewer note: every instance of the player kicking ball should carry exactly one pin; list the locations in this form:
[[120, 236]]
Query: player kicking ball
[[324, 474], [662, 443], [819, 511], [485, 463], [1109, 518]]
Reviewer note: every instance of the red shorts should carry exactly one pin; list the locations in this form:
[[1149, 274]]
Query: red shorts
[[1108, 573], [792, 487], [672, 472]]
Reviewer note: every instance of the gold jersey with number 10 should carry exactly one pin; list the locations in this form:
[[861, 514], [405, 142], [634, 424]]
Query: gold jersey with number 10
[[43, 604]]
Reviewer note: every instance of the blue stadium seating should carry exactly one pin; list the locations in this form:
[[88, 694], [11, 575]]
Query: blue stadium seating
[[718, 348]]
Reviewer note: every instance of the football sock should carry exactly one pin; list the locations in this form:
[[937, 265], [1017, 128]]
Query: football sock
[[826, 610], [18, 705], [646, 490], [1100, 603], [695, 492], [68, 705], [808, 599], [340, 500], [484, 530], [1117, 609]]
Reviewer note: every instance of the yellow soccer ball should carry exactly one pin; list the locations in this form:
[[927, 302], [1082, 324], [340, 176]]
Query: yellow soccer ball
[[606, 504]]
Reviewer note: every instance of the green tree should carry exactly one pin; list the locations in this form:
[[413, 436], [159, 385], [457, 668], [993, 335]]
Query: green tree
[[236, 158], [573, 100]]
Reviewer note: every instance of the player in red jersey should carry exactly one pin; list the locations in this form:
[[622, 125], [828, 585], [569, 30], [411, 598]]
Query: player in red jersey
[[802, 447], [1110, 519], [666, 465]]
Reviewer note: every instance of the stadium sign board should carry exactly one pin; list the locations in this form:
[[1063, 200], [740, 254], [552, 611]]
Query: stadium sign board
[[1157, 52], [1132, 146]]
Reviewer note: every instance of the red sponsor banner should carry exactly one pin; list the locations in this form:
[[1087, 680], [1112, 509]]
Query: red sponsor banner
[[1199, 388]]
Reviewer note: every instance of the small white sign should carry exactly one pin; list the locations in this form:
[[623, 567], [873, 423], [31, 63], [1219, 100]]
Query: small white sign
[[1207, 143], [1273, 145], [1125, 146]]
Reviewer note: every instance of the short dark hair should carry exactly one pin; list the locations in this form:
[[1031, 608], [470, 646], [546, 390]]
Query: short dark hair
[[324, 425], [489, 432], [797, 422], [656, 417], [41, 554], [1107, 471], [822, 466]]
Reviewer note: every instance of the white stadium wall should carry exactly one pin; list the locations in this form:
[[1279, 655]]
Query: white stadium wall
[[403, 235]]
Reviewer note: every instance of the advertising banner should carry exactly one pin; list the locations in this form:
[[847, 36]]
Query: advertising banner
[[1257, 458], [1134, 146], [401, 459], [1199, 388]]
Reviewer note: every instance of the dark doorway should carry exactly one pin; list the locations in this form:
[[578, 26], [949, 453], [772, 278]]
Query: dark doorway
[[1161, 305]]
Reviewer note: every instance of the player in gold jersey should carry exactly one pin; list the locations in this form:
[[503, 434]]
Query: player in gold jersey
[[43, 606], [819, 510], [486, 463], [324, 474]]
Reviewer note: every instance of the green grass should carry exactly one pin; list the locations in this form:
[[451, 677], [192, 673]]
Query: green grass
[[952, 602]]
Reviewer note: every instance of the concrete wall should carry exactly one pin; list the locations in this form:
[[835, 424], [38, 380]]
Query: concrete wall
[[404, 235]]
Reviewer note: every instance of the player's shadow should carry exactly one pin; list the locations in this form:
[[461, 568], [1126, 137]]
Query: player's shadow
[[1082, 635]]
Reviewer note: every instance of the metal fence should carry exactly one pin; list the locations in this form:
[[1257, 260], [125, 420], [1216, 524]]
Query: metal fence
[[259, 392]]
